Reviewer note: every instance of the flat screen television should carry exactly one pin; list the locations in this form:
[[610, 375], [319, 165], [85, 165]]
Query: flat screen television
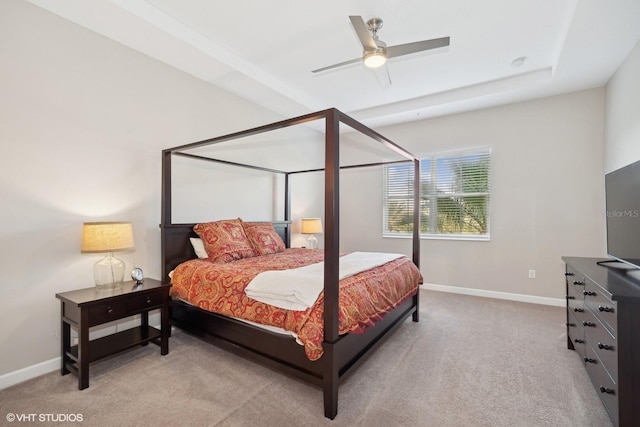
[[622, 193]]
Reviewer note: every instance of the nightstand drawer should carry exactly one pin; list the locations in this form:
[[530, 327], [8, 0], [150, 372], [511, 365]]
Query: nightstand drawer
[[106, 312], [144, 302]]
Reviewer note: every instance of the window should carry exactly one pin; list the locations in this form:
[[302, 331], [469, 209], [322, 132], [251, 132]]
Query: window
[[454, 196]]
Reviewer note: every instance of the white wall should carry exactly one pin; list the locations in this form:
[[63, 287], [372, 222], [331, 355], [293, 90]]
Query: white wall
[[82, 124], [622, 137], [546, 194]]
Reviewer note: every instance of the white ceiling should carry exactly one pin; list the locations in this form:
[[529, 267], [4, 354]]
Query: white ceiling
[[264, 50]]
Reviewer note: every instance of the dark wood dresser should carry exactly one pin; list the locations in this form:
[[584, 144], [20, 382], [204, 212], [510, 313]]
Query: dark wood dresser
[[603, 327]]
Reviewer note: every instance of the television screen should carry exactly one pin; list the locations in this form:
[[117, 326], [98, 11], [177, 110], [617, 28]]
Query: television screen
[[622, 188]]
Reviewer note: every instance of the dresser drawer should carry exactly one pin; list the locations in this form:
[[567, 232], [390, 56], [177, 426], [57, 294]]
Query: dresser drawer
[[106, 312], [605, 387], [575, 286], [576, 335], [603, 344], [601, 304], [576, 308]]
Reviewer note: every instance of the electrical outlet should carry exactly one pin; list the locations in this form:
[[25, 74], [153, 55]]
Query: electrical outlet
[[532, 274]]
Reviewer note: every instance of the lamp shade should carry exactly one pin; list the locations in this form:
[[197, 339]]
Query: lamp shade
[[311, 226], [107, 237]]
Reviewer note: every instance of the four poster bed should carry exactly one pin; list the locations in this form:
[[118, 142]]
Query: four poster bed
[[331, 344]]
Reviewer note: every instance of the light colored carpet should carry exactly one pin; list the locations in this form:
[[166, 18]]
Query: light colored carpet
[[470, 361]]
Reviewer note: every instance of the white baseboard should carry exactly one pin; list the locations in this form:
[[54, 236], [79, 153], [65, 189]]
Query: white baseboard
[[558, 302], [24, 374]]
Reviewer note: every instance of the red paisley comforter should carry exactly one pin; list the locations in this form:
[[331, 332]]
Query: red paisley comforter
[[364, 297]]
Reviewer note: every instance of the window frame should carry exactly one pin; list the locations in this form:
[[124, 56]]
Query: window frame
[[429, 175]]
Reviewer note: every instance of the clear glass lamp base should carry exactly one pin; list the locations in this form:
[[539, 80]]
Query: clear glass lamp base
[[108, 273], [312, 242]]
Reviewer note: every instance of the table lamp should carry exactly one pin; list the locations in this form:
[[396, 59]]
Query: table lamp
[[109, 237], [311, 226]]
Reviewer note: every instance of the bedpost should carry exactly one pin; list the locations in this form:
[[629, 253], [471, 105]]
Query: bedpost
[[165, 210], [416, 231], [330, 384], [332, 223], [287, 209], [416, 212], [332, 260], [165, 214]]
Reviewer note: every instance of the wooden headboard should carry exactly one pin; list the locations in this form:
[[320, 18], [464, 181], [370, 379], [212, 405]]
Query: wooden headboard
[[176, 247]]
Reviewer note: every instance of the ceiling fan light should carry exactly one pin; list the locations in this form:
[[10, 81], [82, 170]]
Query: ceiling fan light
[[375, 59]]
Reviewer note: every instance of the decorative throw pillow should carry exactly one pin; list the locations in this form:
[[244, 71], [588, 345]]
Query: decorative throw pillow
[[263, 237], [224, 240]]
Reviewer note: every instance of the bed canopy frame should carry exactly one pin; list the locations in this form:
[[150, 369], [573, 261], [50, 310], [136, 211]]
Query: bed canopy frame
[[341, 352]]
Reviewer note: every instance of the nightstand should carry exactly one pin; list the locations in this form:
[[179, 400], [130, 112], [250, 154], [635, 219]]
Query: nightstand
[[89, 307]]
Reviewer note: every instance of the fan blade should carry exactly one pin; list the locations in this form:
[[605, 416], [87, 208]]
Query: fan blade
[[382, 74], [340, 64], [363, 34], [406, 49]]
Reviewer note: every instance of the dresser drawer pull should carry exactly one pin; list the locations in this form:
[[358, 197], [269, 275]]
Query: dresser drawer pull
[[605, 346], [605, 309], [589, 293], [148, 300], [607, 390], [578, 310], [109, 310], [570, 297], [571, 324], [589, 324], [578, 283], [568, 273], [589, 360], [579, 341]]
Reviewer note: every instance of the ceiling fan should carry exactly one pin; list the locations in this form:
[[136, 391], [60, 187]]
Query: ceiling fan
[[376, 52]]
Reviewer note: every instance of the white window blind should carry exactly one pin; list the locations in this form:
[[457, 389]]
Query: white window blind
[[454, 196]]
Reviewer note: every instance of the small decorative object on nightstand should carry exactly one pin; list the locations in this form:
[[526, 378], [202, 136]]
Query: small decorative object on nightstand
[[100, 237], [89, 307], [137, 275], [311, 226]]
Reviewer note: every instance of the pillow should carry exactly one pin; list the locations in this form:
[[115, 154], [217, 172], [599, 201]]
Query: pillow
[[224, 240], [198, 247], [263, 237]]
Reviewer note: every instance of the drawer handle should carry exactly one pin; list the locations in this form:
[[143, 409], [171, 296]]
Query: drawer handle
[[571, 324], [568, 273], [589, 360], [148, 300], [109, 310], [605, 346], [589, 293], [578, 283], [578, 310], [605, 309], [589, 324], [570, 297], [607, 390], [579, 341]]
